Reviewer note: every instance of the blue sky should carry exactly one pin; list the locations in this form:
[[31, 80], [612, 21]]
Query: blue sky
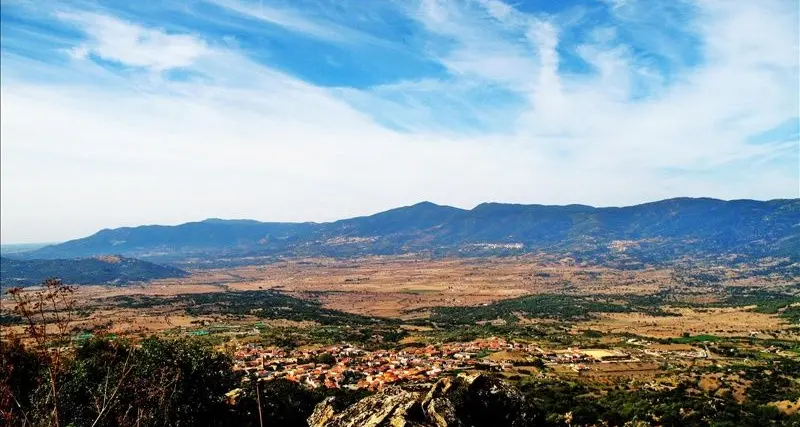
[[123, 113]]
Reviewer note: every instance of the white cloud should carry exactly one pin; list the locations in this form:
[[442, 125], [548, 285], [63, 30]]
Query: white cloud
[[498, 9], [245, 140], [487, 49], [115, 40], [318, 27]]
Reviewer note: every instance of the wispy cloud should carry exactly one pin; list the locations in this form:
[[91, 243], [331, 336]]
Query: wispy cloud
[[131, 45], [172, 112], [293, 20]]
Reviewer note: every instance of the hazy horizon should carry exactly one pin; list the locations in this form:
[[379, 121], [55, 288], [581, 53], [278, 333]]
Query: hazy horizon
[[123, 114]]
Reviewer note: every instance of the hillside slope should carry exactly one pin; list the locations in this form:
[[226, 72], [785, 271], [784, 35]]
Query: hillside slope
[[651, 232], [100, 270]]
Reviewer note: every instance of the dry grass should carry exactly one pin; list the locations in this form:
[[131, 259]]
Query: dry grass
[[787, 406], [507, 355], [404, 287], [736, 321], [394, 286]]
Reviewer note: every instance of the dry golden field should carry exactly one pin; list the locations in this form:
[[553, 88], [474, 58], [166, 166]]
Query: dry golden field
[[392, 286], [403, 287], [735, 321]]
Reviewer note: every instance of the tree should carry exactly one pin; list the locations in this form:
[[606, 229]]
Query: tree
[[325, 358]]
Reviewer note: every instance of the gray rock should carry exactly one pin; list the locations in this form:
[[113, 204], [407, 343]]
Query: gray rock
[[389, 407], [397, 406]]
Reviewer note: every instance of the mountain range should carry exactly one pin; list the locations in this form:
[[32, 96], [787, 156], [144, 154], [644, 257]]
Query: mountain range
[[647, 233]]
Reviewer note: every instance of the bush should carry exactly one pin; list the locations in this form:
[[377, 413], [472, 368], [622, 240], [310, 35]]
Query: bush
[[159, 383]]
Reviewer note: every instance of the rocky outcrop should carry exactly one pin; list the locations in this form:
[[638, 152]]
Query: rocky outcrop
[[392, 406], [451, 402], [323, 412], [438, 409]]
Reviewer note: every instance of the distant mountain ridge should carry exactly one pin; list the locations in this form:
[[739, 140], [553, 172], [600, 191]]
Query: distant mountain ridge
[[98, 270], [650, 233]]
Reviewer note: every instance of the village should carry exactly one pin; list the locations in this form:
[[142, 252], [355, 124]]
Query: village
[[347, 366]]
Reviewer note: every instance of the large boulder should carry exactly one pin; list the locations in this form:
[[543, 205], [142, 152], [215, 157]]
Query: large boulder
[[475, 400], [392, 406]]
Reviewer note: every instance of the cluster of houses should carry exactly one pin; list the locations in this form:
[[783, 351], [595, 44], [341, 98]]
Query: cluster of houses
[[347, 366]]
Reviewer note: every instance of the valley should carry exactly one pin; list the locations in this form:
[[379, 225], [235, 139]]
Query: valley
[[616, 331], [452, 294]]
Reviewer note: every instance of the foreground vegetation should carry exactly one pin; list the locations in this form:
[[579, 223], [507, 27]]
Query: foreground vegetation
[[159, 382], [155, 382]]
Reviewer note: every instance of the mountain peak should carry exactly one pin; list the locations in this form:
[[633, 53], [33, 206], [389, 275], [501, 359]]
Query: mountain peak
[[228, 221], [424, 203]]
